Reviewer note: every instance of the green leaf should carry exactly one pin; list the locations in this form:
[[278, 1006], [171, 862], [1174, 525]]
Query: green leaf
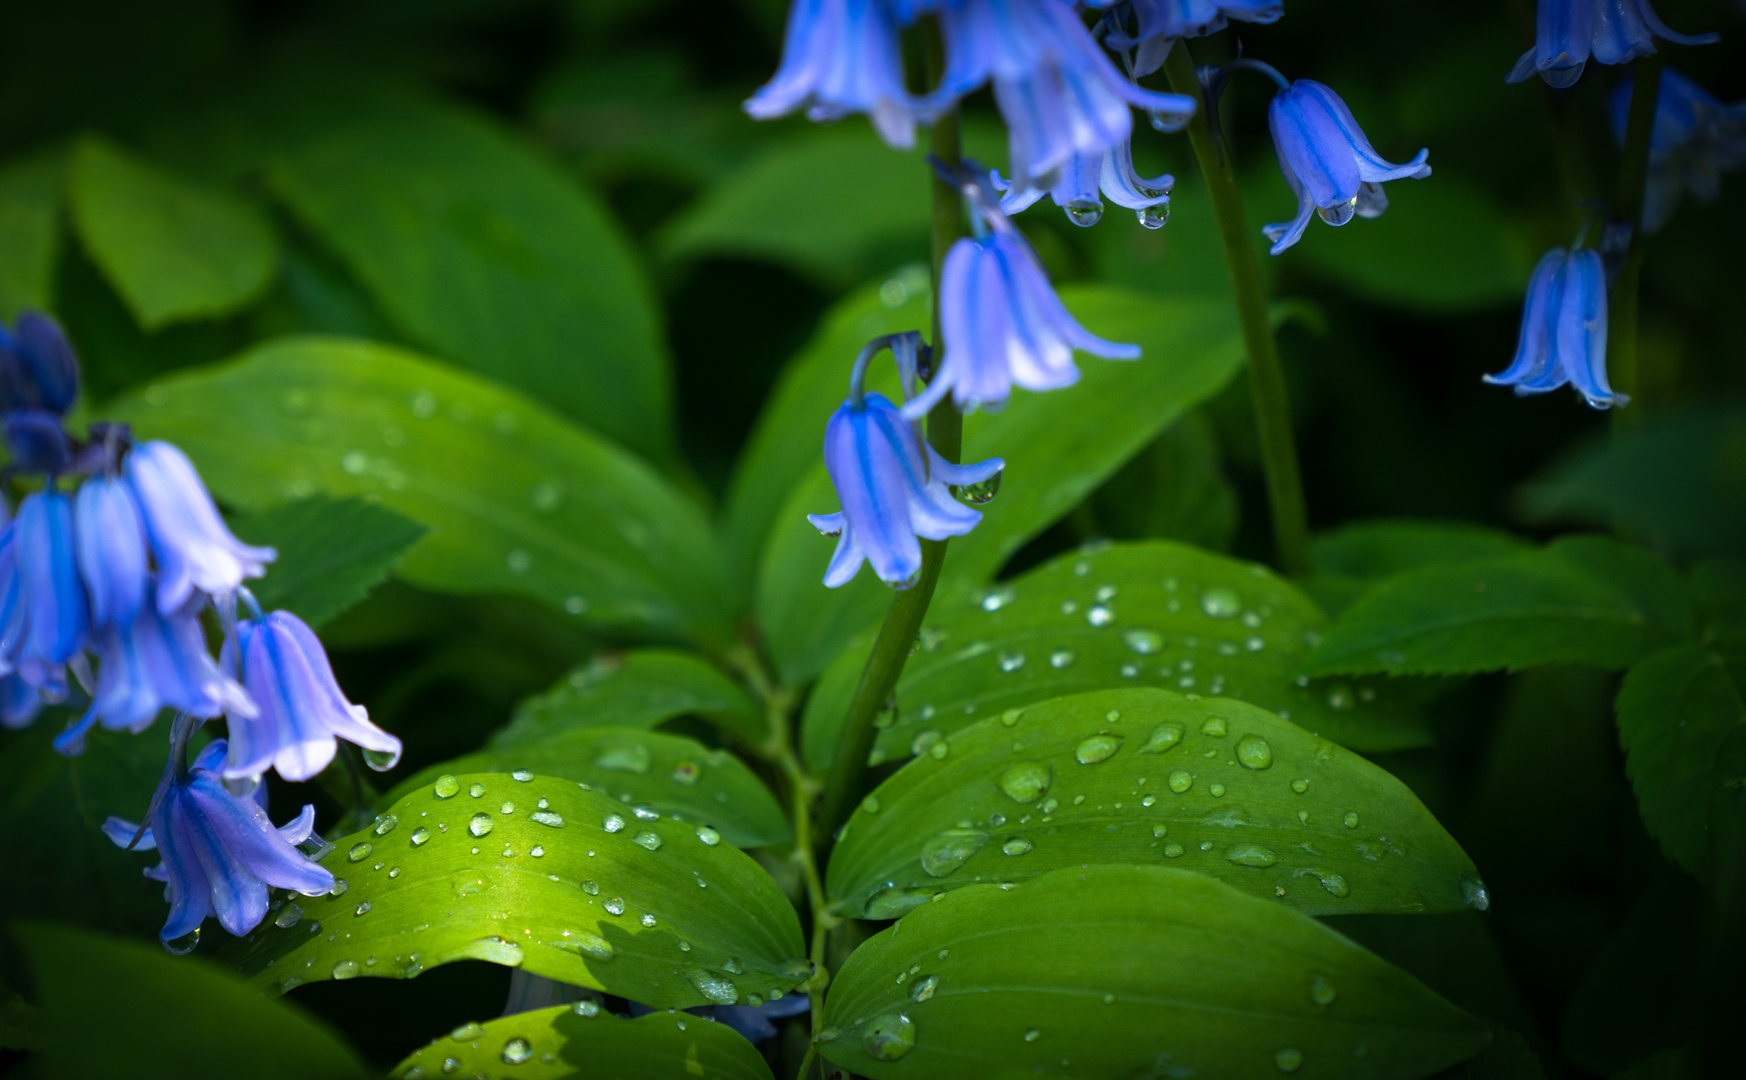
[[173, 250], [332, 552], [527, 874], [23, 1026], [678, 778], [1174, 489], [550, 1044], [1681, 1064], [636, 688], [1584, 600], [484, 252], [1348, 559], [517, 499], [1151, 614], [31, 193], [1058, 448], [1682, 722], [174, 1018], [1130, 971], [1145, 776]]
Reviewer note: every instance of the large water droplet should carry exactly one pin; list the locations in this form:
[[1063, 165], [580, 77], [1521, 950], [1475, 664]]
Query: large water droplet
[[889, 1037], [1321, 991], [476, 790], [1154, 217], [1163, 737], [480, 825], [1350, 820], [1026, 781], [1096, 748], [586, 1008], [1288, 1060], [945, 852], [1084, 212], [612, 823], [1253, 752], [419, 836], [1061, 658], [345, 969], [1100, 615], [1180, 781], [548, 818], [1250, 855], [1474, 894], [1144, 642], [717, 989], [1018, 845], [615, 906], [980, 493], [381, 760], [647, 839], [924, 988], [708, 836], [1220, 603], [446, 787], [385, 824], [287, 918], [516, 1051], [1215, 726], [893, 901], [631, 758], [1012, 661], [1340, 212], [360, 851]]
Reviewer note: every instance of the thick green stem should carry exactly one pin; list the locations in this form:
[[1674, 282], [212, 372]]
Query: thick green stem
[[1266, 377], [1623, 363]]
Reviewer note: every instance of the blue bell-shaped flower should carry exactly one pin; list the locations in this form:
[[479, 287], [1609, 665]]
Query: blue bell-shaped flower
[[193, 547], [842, 57], [51, 606], [1078, 183], [1567, 33], [1157, 23], [109, 539], [1696, 138], [1564, 330]]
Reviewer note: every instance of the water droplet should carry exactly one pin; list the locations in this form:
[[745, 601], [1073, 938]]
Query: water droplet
[[1333, 883], [614, 906], [547, 818], [1012, 661], [1084, 212], [1011, 717], [1474, 894], [708, 836], [516, 1051], [1250, 855], [1220, 603], [517, 561], [1350, 820], [480, 825], [1290, 1059], [362, 909], [871, 803], [1300, 786], [586, 1008], [939, 750], [1159, 831], [1180, 781], [612, 823], [1215, 726], [576, 605], [685, 773], [345, 969], [381, 760], [1061, 658], [467, 1032], [889, 1037], [924, 742], [1217, 790], [360, 851], [924, 988], [1154, 217], [1144, 642], [288, 917], [719, 990], [1032, 1035], [1018, 845], [1100, 616], [591, 888], [646, 839], [1026, 781], [1253, 752], [1163, 737], [629, 757], [446, 787], [1172, 850], [1096, 748], [945, 852], [419, 836], [476, 790], [1321, 991]]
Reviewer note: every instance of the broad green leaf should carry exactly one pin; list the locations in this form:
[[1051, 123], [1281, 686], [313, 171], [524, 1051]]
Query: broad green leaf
[[1058, 448], [542, 875], [550, 1044], [636, 688], [517, 499], [487, 254], [1147, 776], [173, 250], [332, 552], [125, 1008], [676, 777], [1174, 489], [1348, 559], [1152, 614], [31, 193], [1585, 600], [1682, 722], [1127, 971]]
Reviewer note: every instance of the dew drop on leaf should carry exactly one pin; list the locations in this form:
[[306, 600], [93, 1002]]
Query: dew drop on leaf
[[446, 787]]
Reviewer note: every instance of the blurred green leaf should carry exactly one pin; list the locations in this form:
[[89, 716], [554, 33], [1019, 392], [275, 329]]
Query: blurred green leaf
[[488, 255], [635, 688], [550, 1044], [528, 874], [1186, 256], [1174, 489], [678, 778], [1152, 614], [23, 1026], [1681, 1064], [332, 552], [166, 1018], [517, 499], [1346, 560], [31, 193], [1058, 448], [1679, 712], [1507, 1058], [1133, 776], [1586, 600], [1130, 971], [173, 250]]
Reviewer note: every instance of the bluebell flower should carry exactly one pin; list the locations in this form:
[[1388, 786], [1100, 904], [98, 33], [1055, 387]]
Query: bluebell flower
[[52, 618], [1568, 32], [38, 369], [220, 852], [1695, 139], [110, 541], [1564, 330], [842, 57], [1330, 165], [1077, 184], [758, 1022], [893, 489], [193, 547], [301, 707], [1157, 23], [1058, 91]]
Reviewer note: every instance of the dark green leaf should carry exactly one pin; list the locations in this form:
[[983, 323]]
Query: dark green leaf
[[1677, 711], [1679, 1064], [174, 251], [528, 874], [332, 552], [488, 255], [31, 192], [1129, 971], [23, 1026], [1585, 600], [1507, 1058], [679, 778], [121, 1008], [1354, 556], [517, 499], [1153, 614], [1146, 776], [635, 688], [1058, 448], [1174, 489], [550, 1044]]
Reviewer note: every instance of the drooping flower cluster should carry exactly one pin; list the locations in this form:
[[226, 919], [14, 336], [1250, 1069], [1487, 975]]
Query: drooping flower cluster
[[1564, 330], [1158, 23], [1568, 33], [1695, 138]]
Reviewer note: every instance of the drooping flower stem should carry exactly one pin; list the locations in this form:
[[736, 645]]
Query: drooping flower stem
[[1266, 379], [1623, 363]]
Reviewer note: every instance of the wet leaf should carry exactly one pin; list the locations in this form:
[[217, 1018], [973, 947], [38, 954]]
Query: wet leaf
[[1130, 971], [1149, 614], [582, 890], [548, 1044], [635, 688], [1147, 776], [332, 552], [679, 778]]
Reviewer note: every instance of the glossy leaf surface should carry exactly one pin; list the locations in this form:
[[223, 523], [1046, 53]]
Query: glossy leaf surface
[[635, 688], [332, 552]]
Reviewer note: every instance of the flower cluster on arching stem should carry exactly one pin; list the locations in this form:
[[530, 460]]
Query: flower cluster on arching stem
[[115, 555], [1569, 33]]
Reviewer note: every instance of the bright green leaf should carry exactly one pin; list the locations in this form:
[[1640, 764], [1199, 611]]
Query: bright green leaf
[[1585, 600], [487, 254], [1058, 448], [635, 688], [551, 1044], [1145, 776], [517, 499], [1127, 971], [173, 250], [332, 552], [1152, 614], [31, 192], [542, 875], [126, 1009], [678, 778]]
